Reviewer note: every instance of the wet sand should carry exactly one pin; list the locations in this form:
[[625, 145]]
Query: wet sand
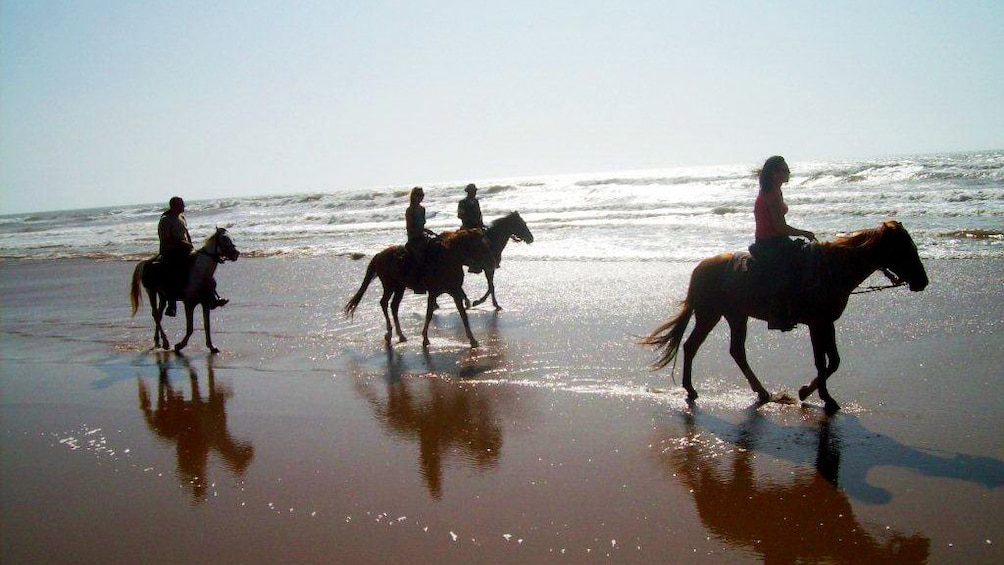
[[307, 440]]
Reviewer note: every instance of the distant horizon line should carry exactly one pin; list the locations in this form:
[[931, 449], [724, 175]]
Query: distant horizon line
[[405, 186]]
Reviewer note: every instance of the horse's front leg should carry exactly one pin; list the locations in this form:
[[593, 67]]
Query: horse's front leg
[[824, 352], [458, 300], [206, 326], [737, 348], [429, 309], [386, 317], [395, 304], [490, 277], [189, 326]]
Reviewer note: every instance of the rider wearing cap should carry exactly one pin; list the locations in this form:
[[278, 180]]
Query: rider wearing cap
[[469, 212]]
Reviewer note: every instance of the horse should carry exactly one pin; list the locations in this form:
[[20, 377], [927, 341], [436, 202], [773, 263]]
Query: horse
[[200, 288], [499, 232], [444, 273], [846, 263]]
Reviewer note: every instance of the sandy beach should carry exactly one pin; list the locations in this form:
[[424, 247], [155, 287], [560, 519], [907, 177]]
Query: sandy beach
[[307, 440]]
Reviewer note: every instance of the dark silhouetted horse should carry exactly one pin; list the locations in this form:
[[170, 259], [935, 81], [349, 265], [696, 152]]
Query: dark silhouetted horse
[[443, 273], [845, 264], [200, 288], [499, 232]]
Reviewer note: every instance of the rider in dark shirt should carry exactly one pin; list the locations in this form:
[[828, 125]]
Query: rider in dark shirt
[[175, 250], [418, 236], [469, 210], [175, 253]]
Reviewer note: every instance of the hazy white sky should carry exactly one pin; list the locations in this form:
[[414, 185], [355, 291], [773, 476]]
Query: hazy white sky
[[106, 103]]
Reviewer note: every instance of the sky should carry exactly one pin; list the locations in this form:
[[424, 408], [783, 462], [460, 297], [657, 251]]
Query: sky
[[111, 103]]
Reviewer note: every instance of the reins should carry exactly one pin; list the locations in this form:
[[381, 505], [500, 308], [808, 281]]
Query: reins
[[896, 281]]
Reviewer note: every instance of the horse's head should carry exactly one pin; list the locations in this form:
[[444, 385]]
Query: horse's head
[[520, 231], [898, 254], [514, 227], [225, 248]]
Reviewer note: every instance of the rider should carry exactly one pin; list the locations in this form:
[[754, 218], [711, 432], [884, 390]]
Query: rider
[[773, 244], [418, 236], [175, 253], [469, 212]]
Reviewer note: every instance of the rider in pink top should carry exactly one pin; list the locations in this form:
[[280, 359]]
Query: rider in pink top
[[774, 245]]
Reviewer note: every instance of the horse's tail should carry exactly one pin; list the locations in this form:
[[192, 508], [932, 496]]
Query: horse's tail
[[350, 306], [669, 335], [134, 291]]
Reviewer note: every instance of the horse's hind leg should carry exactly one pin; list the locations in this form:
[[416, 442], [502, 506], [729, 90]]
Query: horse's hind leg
[[157, 309], [824, 352], [737, 348], [702, 327]]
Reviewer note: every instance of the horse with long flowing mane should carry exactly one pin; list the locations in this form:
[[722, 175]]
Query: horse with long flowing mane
[[846, 263], [200, 289], [510, 227], [443, 274]]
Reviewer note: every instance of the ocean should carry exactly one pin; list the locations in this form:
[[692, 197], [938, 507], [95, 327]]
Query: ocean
[[952, 204]]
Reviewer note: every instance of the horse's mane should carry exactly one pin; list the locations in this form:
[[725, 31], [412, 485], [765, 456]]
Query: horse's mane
[[497, 221], [213, 237], [861, 238]]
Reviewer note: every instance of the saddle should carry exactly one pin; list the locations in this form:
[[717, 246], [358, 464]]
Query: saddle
[[744, 273]]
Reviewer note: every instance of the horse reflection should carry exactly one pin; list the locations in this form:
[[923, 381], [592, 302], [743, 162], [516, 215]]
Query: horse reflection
[[445, 417], [806, 519], [197, 426]]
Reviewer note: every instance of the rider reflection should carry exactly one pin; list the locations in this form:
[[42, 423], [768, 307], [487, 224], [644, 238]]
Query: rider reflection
[[196, 427], [807, 519]]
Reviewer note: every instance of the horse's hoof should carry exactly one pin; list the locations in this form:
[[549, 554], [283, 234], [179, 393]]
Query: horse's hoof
[[475, 344], [400, 339], [214, 350], [763, 397], [804, 393], [691, 394], [831, 408], [467, 305], [498, 308], [178, 348]]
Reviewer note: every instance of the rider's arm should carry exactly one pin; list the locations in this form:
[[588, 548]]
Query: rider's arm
[[776, 209]]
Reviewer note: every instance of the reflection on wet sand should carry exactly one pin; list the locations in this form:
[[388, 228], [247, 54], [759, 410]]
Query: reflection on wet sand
[[197, 426], [444, 417], [802, 519]]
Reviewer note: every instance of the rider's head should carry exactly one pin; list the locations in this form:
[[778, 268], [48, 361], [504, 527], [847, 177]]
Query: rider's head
[[176, 205], [417, 194], [471, 189], [774, 173]]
